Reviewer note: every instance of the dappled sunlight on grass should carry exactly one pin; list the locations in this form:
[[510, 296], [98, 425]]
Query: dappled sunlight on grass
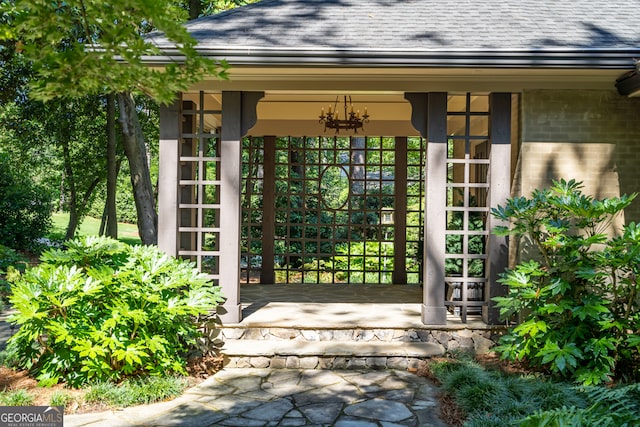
[[127, 233]]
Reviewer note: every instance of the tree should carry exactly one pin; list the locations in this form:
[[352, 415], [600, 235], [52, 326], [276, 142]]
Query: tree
[[80, 48]]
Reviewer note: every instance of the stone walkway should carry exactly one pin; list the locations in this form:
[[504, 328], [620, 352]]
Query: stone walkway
[[288, 397]]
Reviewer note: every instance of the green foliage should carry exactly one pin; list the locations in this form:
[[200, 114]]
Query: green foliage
[[103, 310], [25, 208], [491, 398], [216, 6], [9, 259], [139, 391], [83, 48], [455, 244], [16, 398], [9, 358], [608, 407], [149, 122], [576, 302], [60, 398]]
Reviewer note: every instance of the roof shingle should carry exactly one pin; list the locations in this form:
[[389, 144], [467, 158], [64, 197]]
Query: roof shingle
[[375, 28], [425, 24]]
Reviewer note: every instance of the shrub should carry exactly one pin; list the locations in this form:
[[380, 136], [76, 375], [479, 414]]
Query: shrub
[[8, 259], [576, 301], [25, 208], [103, 310]]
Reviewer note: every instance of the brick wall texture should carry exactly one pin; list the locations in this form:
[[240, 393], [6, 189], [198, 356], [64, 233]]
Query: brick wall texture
[[590, 136]]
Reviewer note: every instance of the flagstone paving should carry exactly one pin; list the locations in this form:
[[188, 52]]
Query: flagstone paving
[[288, 397]]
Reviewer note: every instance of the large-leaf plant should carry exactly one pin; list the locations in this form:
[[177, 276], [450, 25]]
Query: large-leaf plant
[[103, 310], [573, 300]]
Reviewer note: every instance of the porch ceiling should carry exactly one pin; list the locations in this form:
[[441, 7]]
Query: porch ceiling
[[297, 114]]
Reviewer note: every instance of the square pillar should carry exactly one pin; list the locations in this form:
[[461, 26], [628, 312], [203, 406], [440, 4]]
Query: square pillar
[[169, 154], [230, 209], [499, 187], [434, 311]]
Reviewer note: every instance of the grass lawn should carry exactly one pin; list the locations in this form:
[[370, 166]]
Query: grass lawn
[[127, 233]]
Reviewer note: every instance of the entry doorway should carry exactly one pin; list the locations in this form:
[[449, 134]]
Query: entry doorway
[[343, 209]]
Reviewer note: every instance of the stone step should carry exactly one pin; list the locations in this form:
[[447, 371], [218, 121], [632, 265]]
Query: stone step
[[326, 334], [246, 353], [330, 348]]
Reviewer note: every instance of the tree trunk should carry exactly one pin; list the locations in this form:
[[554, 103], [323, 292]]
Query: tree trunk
[[135, 150], [112, 169], [72, 225], [195, 8]]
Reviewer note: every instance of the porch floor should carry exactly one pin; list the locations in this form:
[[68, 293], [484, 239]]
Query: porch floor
[[339, 306]]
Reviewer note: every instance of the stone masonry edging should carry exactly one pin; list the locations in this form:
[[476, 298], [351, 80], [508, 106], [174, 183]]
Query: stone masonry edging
[[451, 341], [478, 341]]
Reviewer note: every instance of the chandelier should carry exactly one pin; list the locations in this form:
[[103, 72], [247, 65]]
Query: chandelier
[[352, 119]]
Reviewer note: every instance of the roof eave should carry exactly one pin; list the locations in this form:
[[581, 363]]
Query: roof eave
[[557, 58]]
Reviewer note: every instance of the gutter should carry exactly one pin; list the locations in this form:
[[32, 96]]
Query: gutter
[[330, 57]]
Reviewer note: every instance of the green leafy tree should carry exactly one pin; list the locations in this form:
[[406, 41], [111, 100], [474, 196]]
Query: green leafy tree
[[25, 208], [80, 48]]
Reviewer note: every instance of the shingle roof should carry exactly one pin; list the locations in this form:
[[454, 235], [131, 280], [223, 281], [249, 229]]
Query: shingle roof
[[318, 30]]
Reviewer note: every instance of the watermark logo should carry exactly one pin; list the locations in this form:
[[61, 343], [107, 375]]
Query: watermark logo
[[31, 416]]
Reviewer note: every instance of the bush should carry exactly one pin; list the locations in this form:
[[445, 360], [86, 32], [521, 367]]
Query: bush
[[8, 259], [102, 310], [25, 208], [576, 302]]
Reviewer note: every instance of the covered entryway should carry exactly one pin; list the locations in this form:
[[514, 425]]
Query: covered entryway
[[345, 209], [260, 201]]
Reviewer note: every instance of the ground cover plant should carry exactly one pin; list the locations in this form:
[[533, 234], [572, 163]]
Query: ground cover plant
[[18, 389], [487, 396], [573, 304], [101, 310]]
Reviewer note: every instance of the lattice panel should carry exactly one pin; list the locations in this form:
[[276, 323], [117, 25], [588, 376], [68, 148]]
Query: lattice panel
[[199, 185], [467, 203], [334, 208], [415, 208]]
